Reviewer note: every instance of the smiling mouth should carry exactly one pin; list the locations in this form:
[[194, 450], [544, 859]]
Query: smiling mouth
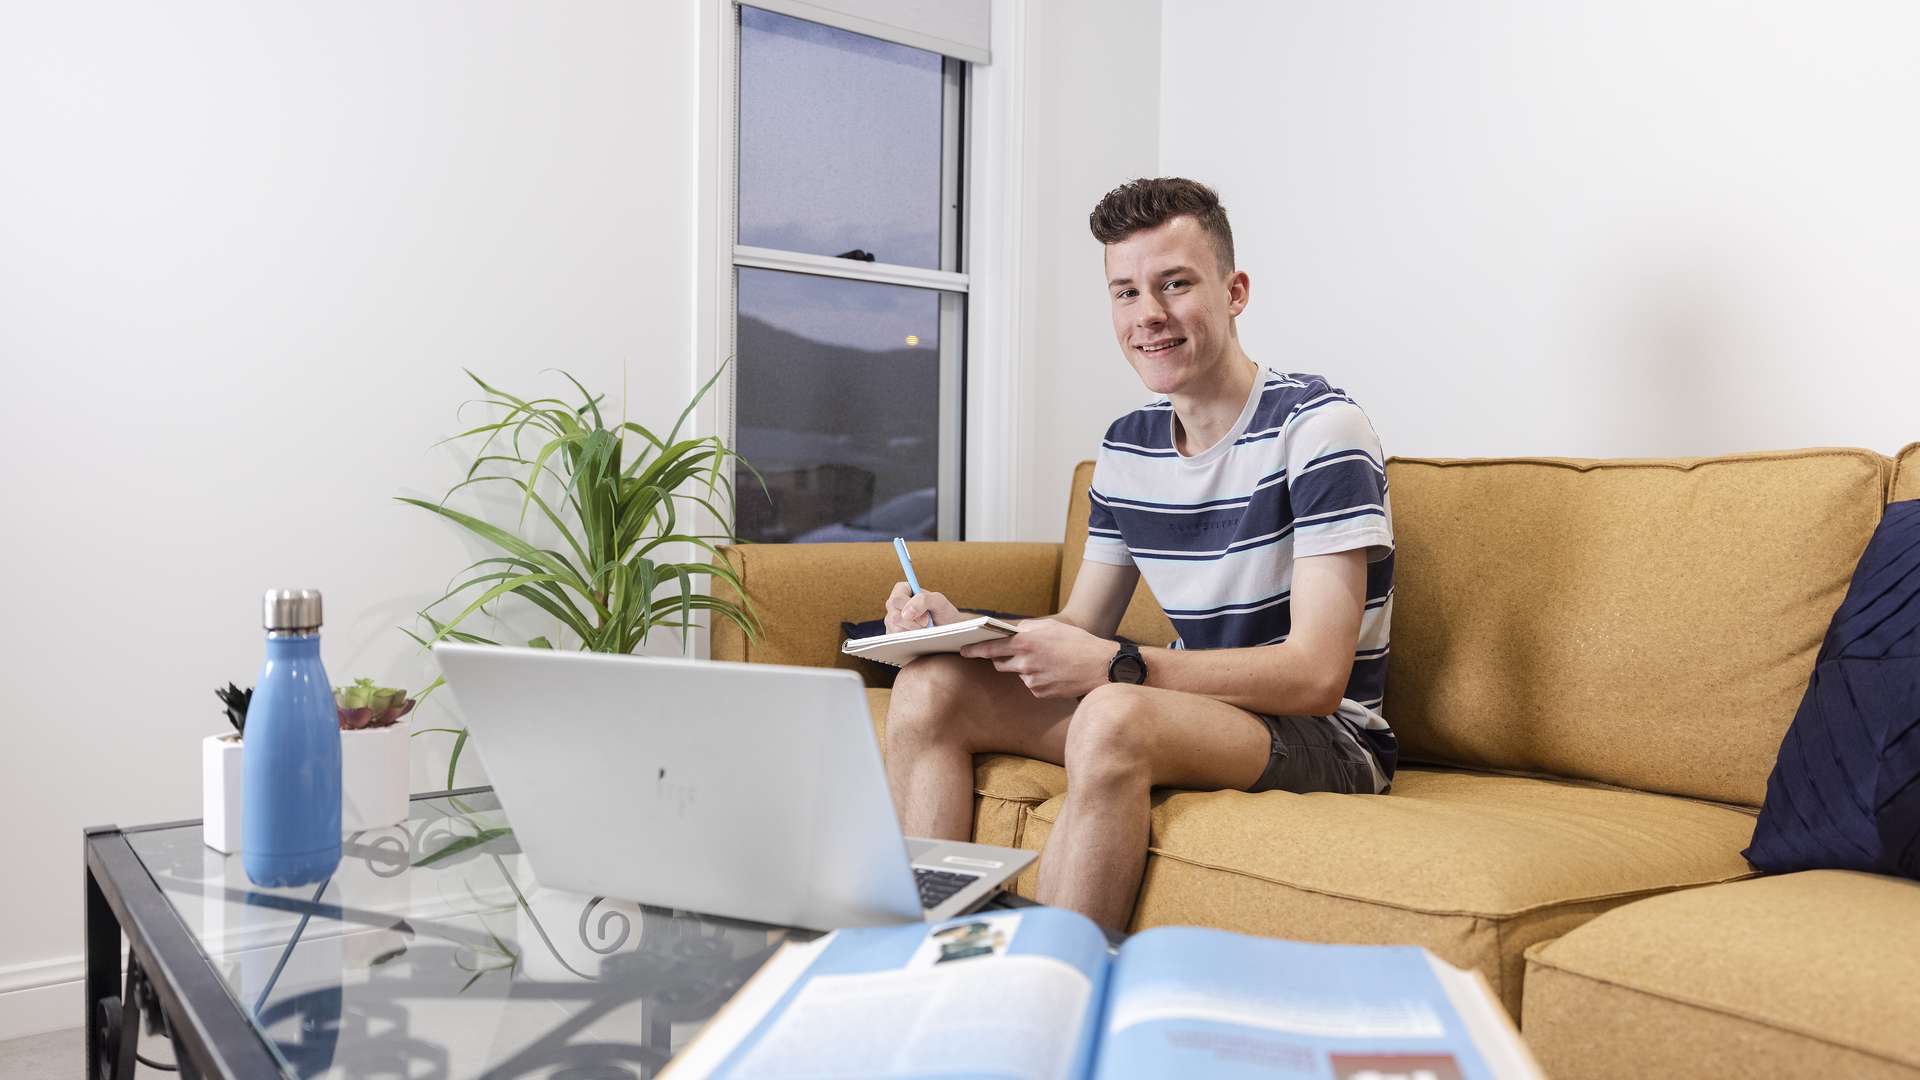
[[1160, 346]]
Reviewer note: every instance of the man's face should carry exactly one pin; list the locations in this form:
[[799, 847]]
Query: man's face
[[1173, 306]]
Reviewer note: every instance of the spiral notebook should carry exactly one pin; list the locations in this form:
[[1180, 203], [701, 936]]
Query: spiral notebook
[[897, 649]]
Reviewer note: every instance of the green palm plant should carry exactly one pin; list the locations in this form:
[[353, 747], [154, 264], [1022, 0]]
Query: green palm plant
[[619, 498]]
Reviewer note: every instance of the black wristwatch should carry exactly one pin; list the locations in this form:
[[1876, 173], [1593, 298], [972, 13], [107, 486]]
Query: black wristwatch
[[1127, 665]]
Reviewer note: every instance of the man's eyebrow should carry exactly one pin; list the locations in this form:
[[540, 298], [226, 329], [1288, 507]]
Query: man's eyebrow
[[1168, 272]]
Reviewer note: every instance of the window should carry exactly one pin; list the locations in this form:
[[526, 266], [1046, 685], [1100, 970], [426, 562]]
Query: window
[[850, 295]]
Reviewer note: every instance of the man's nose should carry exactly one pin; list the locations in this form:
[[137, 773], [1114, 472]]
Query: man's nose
[[1149, 312]]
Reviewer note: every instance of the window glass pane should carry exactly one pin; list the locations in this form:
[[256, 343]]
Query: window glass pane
[[837, 404], [840, 138]]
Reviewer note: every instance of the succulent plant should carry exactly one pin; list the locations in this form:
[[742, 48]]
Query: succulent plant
[[236, 701], [364, 705]]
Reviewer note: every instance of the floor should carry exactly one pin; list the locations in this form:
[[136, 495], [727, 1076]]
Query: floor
[[59, 1055], [52, 1056]]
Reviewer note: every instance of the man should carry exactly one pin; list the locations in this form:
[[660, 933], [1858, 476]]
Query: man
[[1255, 503]]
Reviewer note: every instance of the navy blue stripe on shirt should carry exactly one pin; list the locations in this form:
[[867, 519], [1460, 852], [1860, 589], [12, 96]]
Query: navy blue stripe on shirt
[[1308, 521], [1368, 680], [1380, 577], [1199, 531], [1141, 504], [1175, 555], [1234, 629], [1198, 613], [1149, 430], [1351, 482], [1341, 455], [1320, 402]]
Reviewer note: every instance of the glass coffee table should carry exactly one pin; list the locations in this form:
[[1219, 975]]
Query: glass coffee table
[[431, 952]]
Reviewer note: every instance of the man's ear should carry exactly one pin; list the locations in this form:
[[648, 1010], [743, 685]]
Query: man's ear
[[1239, 291]]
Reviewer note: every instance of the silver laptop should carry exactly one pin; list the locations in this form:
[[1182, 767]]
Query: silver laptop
[[752, 791]]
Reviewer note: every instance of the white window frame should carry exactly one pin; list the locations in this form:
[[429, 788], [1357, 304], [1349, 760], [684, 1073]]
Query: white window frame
[[981, 410]]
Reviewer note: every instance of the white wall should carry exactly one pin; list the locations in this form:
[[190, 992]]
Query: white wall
[[245, 250], [1632, 228], [1092, 123]]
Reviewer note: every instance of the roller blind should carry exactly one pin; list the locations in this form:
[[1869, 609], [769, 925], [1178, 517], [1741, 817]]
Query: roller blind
[[956, 28]]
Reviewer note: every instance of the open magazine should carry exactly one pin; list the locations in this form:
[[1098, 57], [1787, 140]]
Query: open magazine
[[1034, 993]]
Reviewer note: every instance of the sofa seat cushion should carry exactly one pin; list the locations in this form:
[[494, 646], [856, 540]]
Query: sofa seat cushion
[[1473, 866], [1004, 785], [1812, 974]]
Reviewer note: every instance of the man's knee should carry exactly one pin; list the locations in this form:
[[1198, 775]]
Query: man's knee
[[926, 696], [1109, 741]]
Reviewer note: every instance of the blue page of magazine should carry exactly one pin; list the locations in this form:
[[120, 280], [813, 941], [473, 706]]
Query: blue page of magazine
[[997, 994], [1190, 1002]]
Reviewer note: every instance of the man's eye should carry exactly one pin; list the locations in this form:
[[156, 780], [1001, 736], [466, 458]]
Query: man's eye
[[1123, 294], [1176, 283]]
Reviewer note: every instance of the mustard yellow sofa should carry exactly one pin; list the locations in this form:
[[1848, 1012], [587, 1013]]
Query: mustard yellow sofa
[[1593, 665]]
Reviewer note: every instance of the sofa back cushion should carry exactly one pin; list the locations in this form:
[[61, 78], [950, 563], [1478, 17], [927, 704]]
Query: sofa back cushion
[[1650, 624], [1144, 622], [1906, 475]]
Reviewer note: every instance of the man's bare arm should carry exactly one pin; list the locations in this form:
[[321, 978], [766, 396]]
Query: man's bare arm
[[1099, 598], [1304, 675]]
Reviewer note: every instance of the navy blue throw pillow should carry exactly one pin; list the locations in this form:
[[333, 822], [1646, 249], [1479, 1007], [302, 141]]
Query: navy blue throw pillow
[[1845, 790]]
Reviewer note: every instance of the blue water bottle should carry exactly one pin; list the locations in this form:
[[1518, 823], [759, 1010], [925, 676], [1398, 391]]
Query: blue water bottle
[[290, 802]]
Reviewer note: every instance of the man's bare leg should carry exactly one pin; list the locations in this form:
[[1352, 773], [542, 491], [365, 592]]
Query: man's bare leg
[[1122, 742], [944, 710]]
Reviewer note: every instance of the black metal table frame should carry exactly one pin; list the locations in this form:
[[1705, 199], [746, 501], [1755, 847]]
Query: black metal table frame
[[167, 981]]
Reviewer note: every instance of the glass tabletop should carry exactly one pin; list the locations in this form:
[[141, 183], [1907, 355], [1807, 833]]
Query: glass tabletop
[[433, 952]]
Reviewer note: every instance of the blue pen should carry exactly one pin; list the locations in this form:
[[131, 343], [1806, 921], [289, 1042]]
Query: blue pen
[[913, 583]]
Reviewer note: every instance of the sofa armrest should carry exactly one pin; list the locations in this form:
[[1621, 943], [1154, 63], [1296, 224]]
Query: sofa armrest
[[802, 592]]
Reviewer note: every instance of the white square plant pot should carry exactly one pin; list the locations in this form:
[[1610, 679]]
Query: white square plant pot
[[221, 782], [373, 777]]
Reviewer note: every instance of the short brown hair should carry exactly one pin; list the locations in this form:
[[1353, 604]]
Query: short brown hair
[[1145, 204]]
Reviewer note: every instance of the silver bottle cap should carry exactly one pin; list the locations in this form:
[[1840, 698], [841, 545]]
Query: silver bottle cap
[[291, 609]]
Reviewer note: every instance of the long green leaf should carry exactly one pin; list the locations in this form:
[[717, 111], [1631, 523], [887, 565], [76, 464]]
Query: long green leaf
[[502, 539], [512, 585], [453, 761], [464, 843], [592, 401], [698, 394], [556, 593]]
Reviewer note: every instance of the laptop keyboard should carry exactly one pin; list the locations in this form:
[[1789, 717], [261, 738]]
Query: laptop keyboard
[[936, 886]]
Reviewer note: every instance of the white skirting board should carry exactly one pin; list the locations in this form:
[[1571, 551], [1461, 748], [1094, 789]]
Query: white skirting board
[[41, 997]]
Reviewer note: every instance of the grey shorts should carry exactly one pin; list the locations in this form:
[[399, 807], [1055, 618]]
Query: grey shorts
[[1311, 753]]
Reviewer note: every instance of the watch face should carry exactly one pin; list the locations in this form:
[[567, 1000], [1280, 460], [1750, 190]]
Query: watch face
[[1128, 667]]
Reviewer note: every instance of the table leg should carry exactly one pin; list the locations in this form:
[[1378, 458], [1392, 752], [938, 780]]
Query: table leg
[[129, 1049], [102, 982]]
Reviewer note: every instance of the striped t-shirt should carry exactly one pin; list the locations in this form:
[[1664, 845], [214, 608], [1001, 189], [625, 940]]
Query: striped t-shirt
[[1215, 535]]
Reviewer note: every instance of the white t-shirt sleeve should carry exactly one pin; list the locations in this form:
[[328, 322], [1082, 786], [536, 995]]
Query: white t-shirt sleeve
[[1103, 532], [1337, 481]]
